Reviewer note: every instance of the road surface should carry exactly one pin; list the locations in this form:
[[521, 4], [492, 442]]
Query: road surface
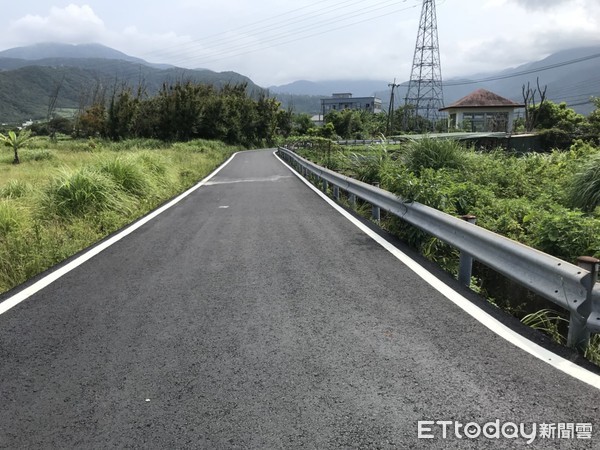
[[253, 315]]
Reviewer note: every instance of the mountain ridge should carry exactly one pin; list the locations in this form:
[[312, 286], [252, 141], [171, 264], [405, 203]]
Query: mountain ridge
[[77, 67], [81, 72]]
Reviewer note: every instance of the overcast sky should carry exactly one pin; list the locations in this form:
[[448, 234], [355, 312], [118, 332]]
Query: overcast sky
[[279, 41]]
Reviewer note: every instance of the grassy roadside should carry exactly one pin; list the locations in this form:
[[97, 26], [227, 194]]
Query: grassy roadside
[[67, 195]]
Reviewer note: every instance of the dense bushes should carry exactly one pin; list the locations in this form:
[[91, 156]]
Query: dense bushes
[[548, 201], [186, 111], [558, 126]]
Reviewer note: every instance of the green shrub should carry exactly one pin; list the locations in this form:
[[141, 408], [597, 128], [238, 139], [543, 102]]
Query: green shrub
[[565, 234], [39, 155], [555, 138], [509, 217]]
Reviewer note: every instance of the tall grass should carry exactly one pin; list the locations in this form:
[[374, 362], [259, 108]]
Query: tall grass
[[15, 189], [585, 186], [128, 175], [53, 207], [83, 191], [435, 154], [10, 217], [548, 321]]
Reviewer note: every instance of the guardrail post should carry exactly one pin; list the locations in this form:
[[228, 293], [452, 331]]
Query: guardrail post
[[336, 192], [579, 333], [325, 185], [465, 269], [375, 210], [352, 200]]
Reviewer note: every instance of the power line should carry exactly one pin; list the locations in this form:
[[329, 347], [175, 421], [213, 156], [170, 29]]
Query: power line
[[294, 31], [239, 42], [200, 42], [292, 34]]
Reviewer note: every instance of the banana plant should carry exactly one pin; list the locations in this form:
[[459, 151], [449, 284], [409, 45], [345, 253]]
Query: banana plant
[[16, 141]]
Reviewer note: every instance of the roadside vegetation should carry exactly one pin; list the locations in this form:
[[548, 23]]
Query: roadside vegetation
[[557, 125], [124, 153], [70, 181], [67, 194], [549, 201]]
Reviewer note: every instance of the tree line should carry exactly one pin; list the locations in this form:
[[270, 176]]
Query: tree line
[[188, 110], [185, 111]]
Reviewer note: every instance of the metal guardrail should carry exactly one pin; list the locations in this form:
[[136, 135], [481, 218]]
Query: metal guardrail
[[398, 139], [570, 286]]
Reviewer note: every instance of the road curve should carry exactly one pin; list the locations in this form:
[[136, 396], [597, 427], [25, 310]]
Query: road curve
[[252, 315]]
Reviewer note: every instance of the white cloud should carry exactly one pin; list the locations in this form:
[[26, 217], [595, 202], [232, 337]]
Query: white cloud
[[527, 33], [540, 4], [72, 24], [275, 42], [78, 24]]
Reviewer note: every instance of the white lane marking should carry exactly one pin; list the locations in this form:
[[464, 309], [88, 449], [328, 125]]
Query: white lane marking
[[223, 207], [478, 314], [249, 180], [19, 297]]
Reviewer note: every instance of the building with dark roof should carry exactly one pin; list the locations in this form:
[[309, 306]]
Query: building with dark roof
[[482, 111]]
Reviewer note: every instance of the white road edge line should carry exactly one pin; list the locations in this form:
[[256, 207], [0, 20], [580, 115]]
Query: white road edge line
[[23, 295], [478, 314]]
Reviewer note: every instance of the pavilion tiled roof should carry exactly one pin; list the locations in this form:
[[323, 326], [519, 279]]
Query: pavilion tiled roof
[[483, 98]]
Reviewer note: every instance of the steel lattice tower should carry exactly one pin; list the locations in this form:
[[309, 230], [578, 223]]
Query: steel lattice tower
[[425, 93]]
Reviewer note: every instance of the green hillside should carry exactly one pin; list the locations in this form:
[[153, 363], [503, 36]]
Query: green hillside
[[26, 86]]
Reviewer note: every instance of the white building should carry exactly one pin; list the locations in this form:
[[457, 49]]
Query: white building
[[482, 111]]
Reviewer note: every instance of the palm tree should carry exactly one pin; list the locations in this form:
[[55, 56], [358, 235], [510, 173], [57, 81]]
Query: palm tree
[[16, 141]]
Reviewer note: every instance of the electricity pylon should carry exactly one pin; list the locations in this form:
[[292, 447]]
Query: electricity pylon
[[425, 95]]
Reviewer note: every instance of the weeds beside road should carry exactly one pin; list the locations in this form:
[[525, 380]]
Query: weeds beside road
[[67, 195]]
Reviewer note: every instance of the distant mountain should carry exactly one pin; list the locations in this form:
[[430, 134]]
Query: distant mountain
[[35, 72], [571, 76], [359, 88], [45, 51]]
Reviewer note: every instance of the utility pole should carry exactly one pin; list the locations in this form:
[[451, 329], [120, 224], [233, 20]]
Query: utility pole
[[390, 118], [425, 94]]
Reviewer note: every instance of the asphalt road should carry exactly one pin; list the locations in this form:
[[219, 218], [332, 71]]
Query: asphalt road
[[252, 315]]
